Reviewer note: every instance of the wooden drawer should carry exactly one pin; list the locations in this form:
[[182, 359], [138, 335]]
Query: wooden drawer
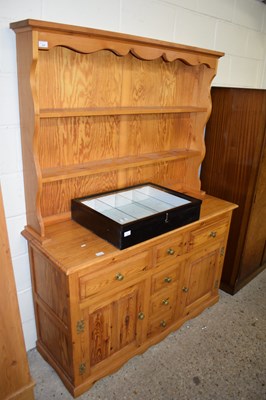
[[167, 252], [165, 279], [208, 233], [113, 277], [162, 302], [159, 324]]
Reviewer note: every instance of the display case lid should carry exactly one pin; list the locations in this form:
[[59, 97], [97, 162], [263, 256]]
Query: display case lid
[[133, 204]]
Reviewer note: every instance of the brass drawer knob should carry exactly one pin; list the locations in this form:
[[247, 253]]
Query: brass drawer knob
[[213, 234], [119, 277], [185, 289], [171, 252], [165, 302], [141, 315], [163, 323], [167, 279]]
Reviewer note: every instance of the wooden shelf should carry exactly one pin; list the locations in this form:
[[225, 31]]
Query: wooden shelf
[[130, 114], [84, 112], [96, 167]]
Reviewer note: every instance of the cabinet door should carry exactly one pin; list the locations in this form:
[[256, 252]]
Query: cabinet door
[[201, 277], [114, 327]]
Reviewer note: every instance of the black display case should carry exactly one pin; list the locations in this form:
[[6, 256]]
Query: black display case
[[129, 216]]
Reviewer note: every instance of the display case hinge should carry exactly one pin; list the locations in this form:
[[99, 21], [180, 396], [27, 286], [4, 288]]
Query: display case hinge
[[80, 326], [82, 368], [222, 251]]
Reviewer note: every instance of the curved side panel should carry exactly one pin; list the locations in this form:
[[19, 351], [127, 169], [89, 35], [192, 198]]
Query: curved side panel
[[197, 139], [27, 61]]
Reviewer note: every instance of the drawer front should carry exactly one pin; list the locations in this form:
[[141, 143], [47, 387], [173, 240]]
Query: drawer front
[[159, 324], [113, 277], [162, 302], [209, 233], [165, 279], [167, 252]]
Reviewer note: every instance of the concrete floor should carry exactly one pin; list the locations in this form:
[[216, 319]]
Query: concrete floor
[[221, 354]]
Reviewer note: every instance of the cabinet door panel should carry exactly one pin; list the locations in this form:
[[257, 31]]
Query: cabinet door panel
[[200, 277], [101, 334], [126, 312], [114, 325]]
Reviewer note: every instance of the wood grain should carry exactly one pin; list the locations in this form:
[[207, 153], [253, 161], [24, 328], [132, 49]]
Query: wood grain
[[47, 282], [110, 111], [106, 310], [199, 277], [99, 111], [75, 37], [28, 103], [91, 285], [235, 142], [15, 379], [115, 325], [104, 110], [71, 80], [254, 252]]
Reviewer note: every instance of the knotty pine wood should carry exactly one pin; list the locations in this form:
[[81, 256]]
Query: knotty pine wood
[[64, 240], [148, 48], [69, 261], [55, 282], [99, 96], [90, 284], [94, 167], [200, 277], [79, 141], [102, 111], [26, 60], [116, 82], [15, 380]]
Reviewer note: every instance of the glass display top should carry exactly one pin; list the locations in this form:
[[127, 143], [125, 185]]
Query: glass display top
[[133, 204]]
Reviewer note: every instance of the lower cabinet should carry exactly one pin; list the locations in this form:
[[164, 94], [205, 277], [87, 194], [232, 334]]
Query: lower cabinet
[[93, 317]]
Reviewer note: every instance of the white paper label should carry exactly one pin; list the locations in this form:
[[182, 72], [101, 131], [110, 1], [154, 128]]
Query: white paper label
[[43, 44], [127, 233]]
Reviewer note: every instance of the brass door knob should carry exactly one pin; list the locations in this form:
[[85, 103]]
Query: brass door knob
[[167, 279], [213, 234], [185, 289], [171, 252], [163, 323], [141, 315], [119, 277], [165, 302]]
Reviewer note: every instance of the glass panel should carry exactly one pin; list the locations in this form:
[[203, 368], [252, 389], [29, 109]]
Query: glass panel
[[132, 204]]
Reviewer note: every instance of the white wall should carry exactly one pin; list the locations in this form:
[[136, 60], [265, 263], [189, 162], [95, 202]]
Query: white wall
[[237, 27]]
